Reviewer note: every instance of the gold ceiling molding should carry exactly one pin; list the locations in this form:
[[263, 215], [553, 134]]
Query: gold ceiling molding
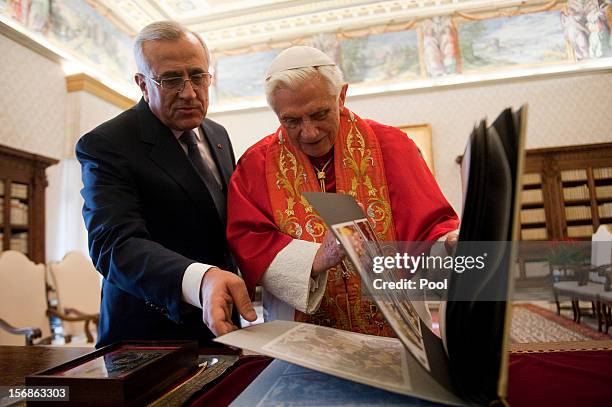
[[84, 82], [305, 40], [515, 11], [387, 28], [352, 14], [267, 46]]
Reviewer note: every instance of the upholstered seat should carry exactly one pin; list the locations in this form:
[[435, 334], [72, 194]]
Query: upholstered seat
[[77, 290], [588, 291], [23, 301]]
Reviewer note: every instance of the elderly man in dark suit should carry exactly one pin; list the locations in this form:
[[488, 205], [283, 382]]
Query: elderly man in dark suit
[[155, 180]]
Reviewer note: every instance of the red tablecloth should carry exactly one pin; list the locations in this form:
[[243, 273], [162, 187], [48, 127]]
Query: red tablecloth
[[581, 378], [244, 371], [578, 378]]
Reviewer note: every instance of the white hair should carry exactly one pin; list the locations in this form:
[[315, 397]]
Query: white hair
[[294, 78], [161, 31]]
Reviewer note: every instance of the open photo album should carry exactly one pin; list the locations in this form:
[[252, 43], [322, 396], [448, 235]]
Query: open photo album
[[466, 363]]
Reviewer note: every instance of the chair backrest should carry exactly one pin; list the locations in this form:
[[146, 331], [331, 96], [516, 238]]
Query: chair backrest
[[77, 285], [23, 298]]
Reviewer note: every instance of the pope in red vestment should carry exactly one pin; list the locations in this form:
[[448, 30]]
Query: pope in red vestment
[[277, 238]]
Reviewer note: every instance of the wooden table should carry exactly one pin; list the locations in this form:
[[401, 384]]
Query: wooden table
[[17, 362]]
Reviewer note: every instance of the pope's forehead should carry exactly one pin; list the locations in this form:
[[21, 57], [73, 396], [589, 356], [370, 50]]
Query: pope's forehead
[[296, 106]]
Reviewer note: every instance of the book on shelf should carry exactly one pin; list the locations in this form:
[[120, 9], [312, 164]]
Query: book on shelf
[[19, 242], [580, 192], [19, 191], [577, 212], [467, 363], [574, 175], [605, 210], [533, 215], [534, 234], [602, 173], [532, 196], [604, 191], [19, 212], [532, 178], [580, 231]]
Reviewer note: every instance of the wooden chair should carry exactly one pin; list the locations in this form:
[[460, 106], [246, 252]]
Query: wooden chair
[[606, 310], [76, 286], [586, 288], [23, 301], [605, 298]]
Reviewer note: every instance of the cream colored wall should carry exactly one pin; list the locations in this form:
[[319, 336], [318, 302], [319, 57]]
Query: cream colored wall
[[39, 115], [32, 100], [65, 228], [246, 127], [563, 110], [85, 112]]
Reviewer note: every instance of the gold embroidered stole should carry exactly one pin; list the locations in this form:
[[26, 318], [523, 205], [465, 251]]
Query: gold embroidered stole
[[359, 172]]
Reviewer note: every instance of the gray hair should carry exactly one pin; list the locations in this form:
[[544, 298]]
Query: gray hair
[[293, 78], [161, 31]]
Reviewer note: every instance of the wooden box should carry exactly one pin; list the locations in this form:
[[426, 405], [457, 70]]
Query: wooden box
[[123, 374]]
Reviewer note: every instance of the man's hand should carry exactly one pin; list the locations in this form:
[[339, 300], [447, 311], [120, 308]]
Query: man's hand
[[329, 254], [221, 289]]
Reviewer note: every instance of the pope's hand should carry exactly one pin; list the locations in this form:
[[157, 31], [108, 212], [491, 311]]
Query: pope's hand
[[451, 241], [221, 289], [330, 253]]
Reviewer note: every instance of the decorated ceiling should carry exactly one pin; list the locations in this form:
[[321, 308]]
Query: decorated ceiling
[[380, 45]]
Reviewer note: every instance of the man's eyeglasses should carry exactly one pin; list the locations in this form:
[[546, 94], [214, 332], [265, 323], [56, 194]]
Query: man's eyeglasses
[[198, 80]]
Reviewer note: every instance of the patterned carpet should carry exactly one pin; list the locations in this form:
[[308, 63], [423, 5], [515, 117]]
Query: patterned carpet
[[531, 323]]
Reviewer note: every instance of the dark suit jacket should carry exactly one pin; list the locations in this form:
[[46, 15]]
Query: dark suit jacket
[[149, 216]]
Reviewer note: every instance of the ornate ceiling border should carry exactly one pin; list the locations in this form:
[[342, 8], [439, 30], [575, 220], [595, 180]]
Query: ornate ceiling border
[[245, 23]]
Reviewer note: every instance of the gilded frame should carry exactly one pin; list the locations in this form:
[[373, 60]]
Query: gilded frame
[[421, 135]]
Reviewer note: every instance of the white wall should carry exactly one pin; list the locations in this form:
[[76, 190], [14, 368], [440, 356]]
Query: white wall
[[32, 100], [39, 115], [563, 110], [65, 229], [86, 112]]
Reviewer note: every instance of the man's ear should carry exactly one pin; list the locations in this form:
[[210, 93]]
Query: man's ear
[[342, 96], [142, 84]]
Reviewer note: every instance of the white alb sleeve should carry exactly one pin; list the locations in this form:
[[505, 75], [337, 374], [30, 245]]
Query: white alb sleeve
[[288, 277]]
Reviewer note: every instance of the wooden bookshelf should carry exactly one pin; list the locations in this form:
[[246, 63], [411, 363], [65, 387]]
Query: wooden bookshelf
[[575, 187], [533, 213], [22, 202], [567, 194]]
